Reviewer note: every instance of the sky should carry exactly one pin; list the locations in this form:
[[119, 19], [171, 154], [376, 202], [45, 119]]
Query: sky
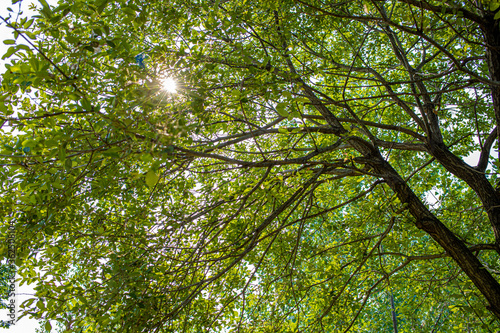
[[25, 325]]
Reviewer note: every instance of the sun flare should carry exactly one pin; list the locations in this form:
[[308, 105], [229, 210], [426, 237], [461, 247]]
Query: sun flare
[[169, 85]]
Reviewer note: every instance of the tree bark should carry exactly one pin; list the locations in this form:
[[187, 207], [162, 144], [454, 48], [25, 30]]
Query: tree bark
[[491, 31]]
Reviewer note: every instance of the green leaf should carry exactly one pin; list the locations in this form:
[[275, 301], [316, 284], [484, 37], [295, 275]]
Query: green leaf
[[74, 97], [301, 99], [14, 49], [281, 109], [44, 3], [23, 47], [62, 153], [151, 178], [68, 164], [236, 94], [9, 41], [40, 305], [129, 11], [101, 4], [72, 39], [29, 143], [87, 106], [28, 24]]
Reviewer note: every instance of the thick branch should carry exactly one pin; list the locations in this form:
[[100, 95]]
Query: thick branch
[[440, 10], [426, 221], [485, 152]]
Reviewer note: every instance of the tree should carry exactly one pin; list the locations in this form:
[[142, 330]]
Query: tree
[[308, 173], [6, 293]]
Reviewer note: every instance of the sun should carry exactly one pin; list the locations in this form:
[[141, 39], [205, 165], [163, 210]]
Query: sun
[[169, 85]]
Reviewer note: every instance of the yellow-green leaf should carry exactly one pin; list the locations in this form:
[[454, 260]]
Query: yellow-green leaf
[[151, 178], [280, 108], [40, 305]]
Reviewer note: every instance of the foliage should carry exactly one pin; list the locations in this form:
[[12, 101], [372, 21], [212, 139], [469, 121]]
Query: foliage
[[5, 292], [308, 171]]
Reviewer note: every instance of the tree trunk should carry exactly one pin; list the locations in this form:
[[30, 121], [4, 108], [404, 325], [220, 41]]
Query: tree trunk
[[426, 221]]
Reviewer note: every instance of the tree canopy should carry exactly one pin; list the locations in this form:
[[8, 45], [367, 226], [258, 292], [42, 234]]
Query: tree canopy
[[306, 175]]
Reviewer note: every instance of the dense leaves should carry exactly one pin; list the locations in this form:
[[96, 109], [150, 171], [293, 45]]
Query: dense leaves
[[307, 175], [7, 294]]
